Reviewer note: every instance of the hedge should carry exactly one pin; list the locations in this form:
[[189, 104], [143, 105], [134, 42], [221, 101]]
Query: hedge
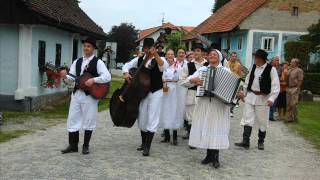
[[312, 82], [300, 50]]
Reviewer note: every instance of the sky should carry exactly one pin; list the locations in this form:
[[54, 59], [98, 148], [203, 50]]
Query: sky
[[147, 13]]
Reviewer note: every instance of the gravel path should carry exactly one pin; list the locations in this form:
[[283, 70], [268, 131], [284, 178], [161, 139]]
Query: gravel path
[[113, 156]]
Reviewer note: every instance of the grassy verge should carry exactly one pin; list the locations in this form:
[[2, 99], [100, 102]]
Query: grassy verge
[[17, 124], [308, 124]]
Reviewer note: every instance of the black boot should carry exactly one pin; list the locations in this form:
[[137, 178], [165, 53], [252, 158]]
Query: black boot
[[261, 136], [216, 163], [166, 136], [143, 141], [209, 158], [86, 142], [188, 132], [73, 143], [149, 137], [246, 137], [175, 137]]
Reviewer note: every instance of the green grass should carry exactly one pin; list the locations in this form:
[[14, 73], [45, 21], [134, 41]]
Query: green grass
[[45, 118], [308, 124]]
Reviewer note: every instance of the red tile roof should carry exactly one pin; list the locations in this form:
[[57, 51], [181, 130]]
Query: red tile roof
[[228, 17]]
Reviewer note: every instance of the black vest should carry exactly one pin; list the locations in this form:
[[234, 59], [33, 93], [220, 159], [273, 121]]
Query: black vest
[[192, 69], [155, 74], [264, 80], [91, 68]]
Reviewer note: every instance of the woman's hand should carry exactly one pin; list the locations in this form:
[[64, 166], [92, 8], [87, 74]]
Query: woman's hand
[[197, 81]]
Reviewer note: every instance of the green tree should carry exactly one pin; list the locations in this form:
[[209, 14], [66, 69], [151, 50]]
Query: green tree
[[313, 37], [300, 50], [125, 35], [218, 4], [174, 41]]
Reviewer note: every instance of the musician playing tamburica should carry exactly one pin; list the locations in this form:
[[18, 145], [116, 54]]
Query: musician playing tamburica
[[83, 108], [210, 123], [150, 107]]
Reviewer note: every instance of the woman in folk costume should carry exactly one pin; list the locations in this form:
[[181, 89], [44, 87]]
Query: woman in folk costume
[[210, 120], [173, 98]]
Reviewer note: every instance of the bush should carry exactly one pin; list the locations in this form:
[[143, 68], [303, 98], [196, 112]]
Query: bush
[[312, 82], [300, 50]]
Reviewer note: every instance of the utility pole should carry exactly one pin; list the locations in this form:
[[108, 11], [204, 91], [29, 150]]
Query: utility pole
[[163, 14]]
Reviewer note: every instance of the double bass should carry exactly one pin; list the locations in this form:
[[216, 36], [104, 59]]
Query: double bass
[[125, 101]]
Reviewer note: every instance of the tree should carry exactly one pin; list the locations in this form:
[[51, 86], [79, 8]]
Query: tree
[[313, 37], [218, 4], [300, 50], [125, 35], [174, 41]]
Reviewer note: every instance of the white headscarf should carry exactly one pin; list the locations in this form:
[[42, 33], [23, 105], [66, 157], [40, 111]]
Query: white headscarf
[[219, 54]]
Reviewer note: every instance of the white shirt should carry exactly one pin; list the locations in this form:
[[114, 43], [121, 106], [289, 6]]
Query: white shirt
[[203, 68], [254, 99], [134, 64], [185, 73], [104, 74]]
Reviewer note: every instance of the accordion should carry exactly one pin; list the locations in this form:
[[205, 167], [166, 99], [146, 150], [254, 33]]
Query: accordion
[[219, 83]]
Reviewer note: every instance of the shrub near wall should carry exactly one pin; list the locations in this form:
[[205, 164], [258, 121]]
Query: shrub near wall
[[312, 82], [300, 50]]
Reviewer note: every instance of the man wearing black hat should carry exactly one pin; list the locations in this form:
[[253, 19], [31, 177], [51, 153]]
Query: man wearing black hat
[[188, 70], [83, 107], [150, 107], [261, 88]]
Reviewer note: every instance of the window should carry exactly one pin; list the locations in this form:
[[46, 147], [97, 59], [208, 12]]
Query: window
[[267, 43], [58, 55], [228, 43], [42, 56], [75, 50], [240, 43], [295, 11]]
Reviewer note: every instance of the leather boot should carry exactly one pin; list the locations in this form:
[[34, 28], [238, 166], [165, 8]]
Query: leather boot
[[188, 132], [175, 137], [149, 137], [261, 136], [143, 141], [216, 163], [73, 143], [166, 136], [86, 142], [246, 137], [209, 158]]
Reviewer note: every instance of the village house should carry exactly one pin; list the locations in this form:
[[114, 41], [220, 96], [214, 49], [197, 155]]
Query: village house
[[243, 26], [33, 33], [165, 28]]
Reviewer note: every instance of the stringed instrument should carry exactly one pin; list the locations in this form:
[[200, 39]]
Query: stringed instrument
[[124, 103]]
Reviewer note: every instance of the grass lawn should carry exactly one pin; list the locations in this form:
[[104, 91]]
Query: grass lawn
[[309, 122], [17, 124]]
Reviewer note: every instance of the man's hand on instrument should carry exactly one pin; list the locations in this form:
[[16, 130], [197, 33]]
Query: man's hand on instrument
[[63, 74], [270, 103], [127, 77], [197, 81], [241, 95], [89, 82], [153, 52]]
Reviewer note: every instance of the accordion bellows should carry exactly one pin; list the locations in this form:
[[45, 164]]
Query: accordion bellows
[[219, 83]]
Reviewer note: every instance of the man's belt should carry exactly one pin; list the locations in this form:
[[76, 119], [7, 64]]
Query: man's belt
[[258, 93]]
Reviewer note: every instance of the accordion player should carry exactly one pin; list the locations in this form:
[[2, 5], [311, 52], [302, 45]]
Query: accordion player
[[220, 83]]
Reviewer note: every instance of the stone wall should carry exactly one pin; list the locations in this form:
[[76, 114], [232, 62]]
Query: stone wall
[[277, 15]]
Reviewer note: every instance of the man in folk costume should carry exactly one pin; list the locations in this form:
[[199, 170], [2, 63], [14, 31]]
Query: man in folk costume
[[188, 70], [150, 107], [261, 88], [211, 121], [173, 104], [83, 109]]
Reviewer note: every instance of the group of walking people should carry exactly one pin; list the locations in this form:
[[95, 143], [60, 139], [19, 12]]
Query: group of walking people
[[172, 101]]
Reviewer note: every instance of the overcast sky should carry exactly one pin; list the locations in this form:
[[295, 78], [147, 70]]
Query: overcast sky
[[147, 13]]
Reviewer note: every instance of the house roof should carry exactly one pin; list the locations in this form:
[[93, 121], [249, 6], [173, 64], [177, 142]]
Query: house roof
[[145, 33], [227, 17], [65, 14]]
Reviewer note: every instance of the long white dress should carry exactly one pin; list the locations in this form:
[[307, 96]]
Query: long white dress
[[173, 101], [210, 122]]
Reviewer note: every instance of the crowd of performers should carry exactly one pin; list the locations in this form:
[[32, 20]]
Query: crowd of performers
[[172, 104]]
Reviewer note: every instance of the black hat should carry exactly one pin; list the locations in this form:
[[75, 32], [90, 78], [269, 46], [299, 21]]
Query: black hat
[[148, 42], [198, 46], [261, 54], [90, 41]]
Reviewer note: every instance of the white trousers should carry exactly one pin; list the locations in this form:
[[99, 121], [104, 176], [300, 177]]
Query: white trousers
[[256, 112], [149, 112], [83, 112]]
